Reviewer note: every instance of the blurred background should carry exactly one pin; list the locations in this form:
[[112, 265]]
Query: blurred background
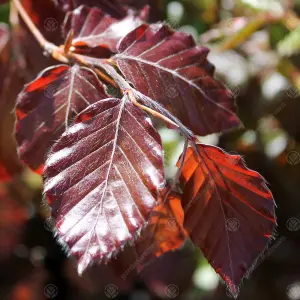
[[255, 46]]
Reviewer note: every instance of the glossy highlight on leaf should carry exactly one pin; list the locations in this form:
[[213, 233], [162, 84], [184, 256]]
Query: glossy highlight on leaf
[[103, 179], [229, 211], [170, 68], [47, 106], [93, 28]]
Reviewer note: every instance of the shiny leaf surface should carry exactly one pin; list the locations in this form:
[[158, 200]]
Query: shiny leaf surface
[[170, 68], [93, 28], [102, 179]]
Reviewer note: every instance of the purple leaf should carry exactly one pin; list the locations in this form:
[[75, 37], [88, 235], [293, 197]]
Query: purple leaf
[[102, 179], [170, 68]]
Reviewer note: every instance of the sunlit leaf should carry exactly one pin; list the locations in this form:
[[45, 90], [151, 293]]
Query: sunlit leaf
[[102, 179], [229, 211], [93, 28], [164, 232], [170, 68]]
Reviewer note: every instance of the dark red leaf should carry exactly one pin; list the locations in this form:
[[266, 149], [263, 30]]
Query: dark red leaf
[[229, 211], [111, 7], [93, 28], [27, 51], [170, 68], [102, 179], [47, 105]]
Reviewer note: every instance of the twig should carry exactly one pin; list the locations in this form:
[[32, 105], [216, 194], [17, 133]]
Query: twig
[[80, 59], [150, 110], [61, 54], [46, 45]]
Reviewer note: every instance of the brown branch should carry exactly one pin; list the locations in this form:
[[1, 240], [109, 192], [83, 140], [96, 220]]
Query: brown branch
[[61, 54], [46, 45], [150, 110]]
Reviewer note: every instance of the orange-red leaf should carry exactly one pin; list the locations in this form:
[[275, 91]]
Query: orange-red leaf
[[164, 232], [229, 211]]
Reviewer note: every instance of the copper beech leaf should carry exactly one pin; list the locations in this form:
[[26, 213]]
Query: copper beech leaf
[[229, 211], [102, 179], [47, 106], [111, 7], [164, 232], [170, 68], [93, 28]]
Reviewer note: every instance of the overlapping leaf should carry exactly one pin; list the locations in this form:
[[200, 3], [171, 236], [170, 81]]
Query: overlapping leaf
[[164, 232], [229, 211], [47, 105], [102, 179], [111, 7], [93, 28], [170, 68]]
